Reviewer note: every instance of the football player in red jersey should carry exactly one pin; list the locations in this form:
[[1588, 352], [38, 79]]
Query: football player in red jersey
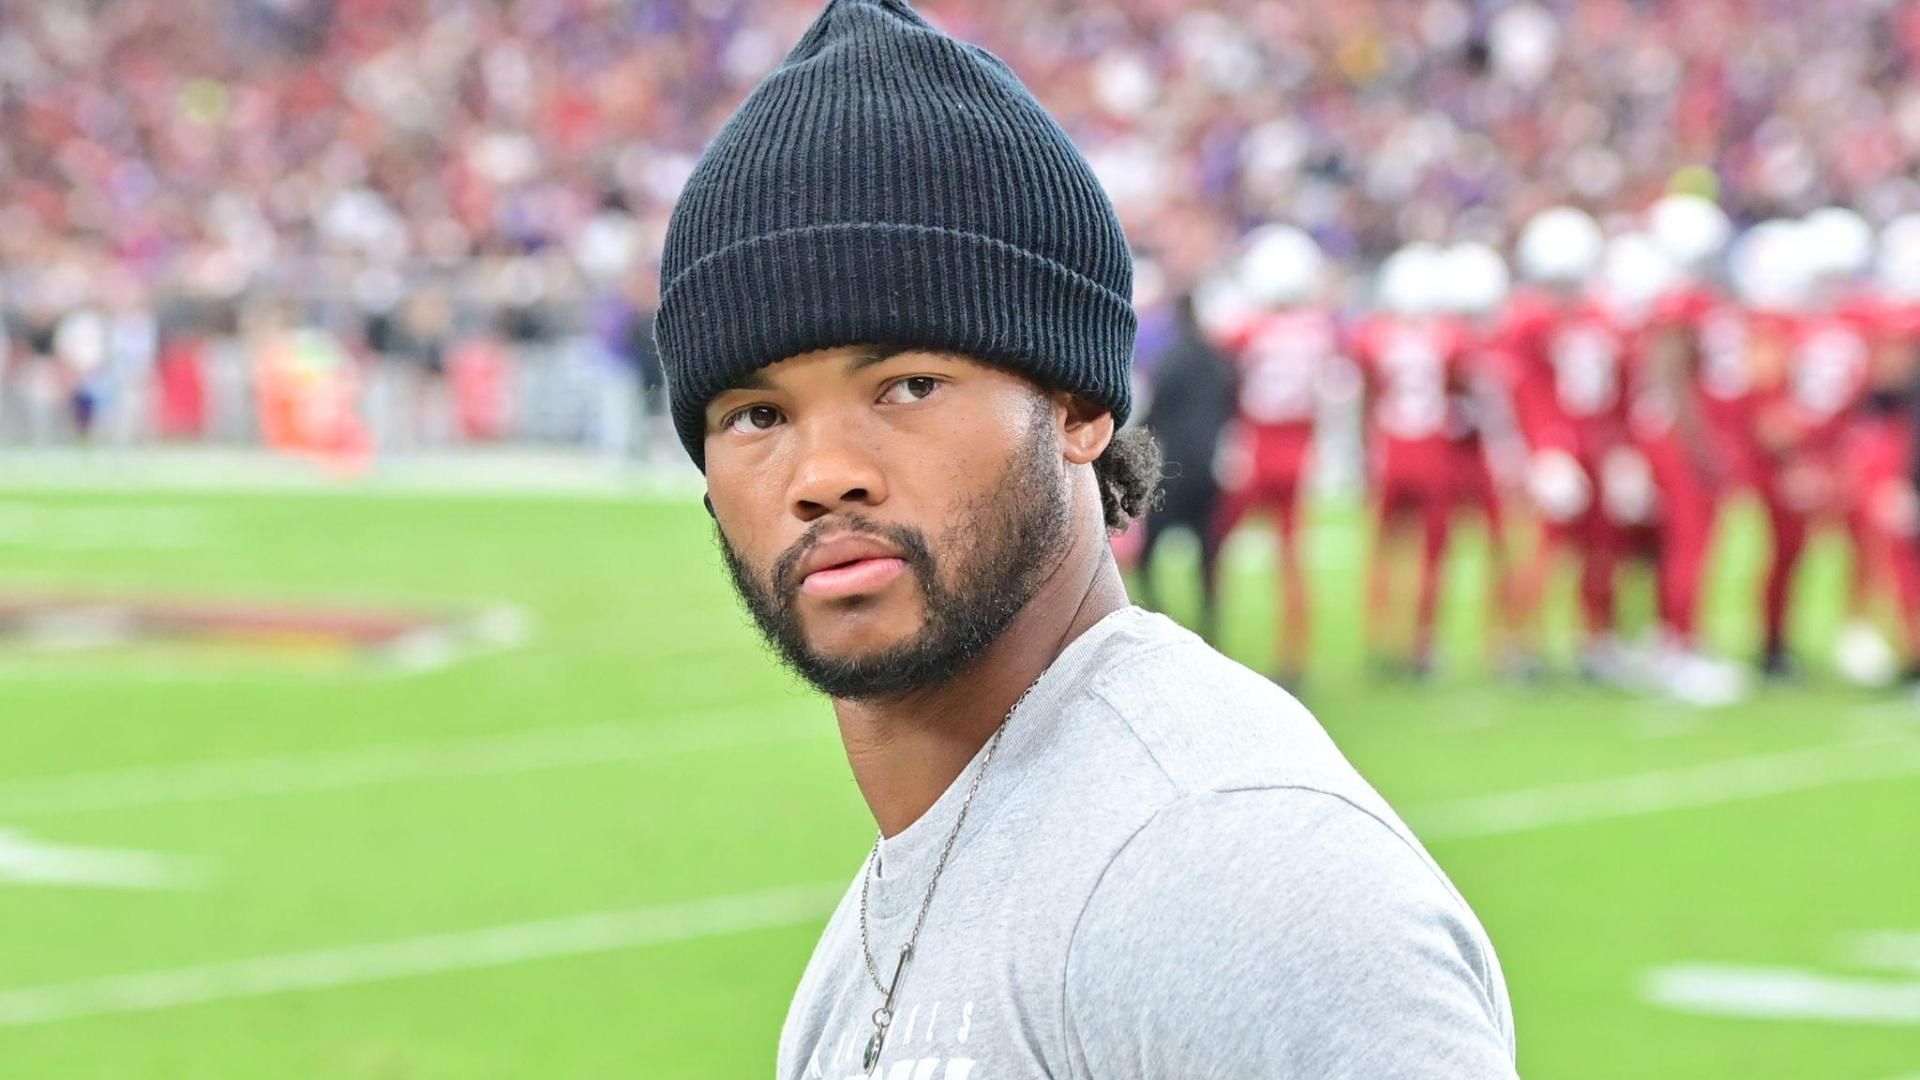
[[1690, 376], [1477, 284], [1635, 273], [1807, 370], [1409, 356], [1284, 350], [1565, 373], [1856, 362]]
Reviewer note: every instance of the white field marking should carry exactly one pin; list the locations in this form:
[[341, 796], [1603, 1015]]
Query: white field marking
[[496, 629], [1654, 792], [79, 628], [442, 644], [435, 954], [1782, 994], [1893, 950], [25, 861], [367, 766]]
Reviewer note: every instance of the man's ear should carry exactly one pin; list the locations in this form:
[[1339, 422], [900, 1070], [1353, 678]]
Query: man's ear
[[1086, 428]]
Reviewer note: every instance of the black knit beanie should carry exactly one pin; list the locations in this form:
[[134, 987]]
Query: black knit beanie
[[890, 185]]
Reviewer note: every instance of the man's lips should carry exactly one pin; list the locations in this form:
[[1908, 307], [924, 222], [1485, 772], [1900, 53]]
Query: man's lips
[[847, 566], [849, 579]]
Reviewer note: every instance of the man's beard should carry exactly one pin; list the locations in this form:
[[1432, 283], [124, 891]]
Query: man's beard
[[1006, 544]]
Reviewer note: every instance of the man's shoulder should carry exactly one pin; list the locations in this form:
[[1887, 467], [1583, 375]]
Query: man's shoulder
[[1330, 941], [1210, 746], [1205, 721]]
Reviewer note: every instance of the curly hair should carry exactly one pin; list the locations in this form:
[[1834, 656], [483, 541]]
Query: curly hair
[[1129, 475]]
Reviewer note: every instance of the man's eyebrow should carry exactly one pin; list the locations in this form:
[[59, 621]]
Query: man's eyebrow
[[866, 358], [752, 380]]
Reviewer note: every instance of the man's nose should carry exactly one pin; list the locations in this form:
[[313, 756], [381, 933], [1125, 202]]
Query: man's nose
[[835, 473]]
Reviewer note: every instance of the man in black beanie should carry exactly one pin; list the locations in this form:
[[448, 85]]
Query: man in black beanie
[[896, 328]]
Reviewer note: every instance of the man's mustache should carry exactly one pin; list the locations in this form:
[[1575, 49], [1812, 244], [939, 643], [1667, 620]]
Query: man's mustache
[[911, 542]]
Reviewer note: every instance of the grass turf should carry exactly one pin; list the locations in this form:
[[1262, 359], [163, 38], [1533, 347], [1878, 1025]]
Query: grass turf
[[654, 756]]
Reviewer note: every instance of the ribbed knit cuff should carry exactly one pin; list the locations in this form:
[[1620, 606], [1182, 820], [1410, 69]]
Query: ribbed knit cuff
[[774, 296]]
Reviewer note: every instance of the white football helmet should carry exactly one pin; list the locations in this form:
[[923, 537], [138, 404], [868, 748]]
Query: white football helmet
[[1221, 306], [1840, 243], [1897, 264], [1475, 279], [1637, 272], [1770, 266], [1413, 281], [1561, 246], [1691, 230], [1281, 266]]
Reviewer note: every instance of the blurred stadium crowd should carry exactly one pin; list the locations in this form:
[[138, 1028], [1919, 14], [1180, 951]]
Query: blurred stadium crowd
[[348, 227], [179, 179]]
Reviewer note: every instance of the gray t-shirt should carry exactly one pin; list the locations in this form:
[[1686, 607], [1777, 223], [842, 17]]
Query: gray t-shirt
[[1169, 873]]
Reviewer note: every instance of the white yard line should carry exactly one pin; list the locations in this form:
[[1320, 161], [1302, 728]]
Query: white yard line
[[27, 861], [366, 766], [431, 955], [1782, 994], [1716, 782]]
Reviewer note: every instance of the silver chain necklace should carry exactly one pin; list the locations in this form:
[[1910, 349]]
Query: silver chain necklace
[[883, 1016]]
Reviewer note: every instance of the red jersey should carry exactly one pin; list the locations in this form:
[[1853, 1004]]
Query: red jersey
[[1716, 329], [1282, 357], [1892, 331], [1722, 338], [1653, 414], [1410, 367], [1478, 370], [1653, 405], [1898, 322], [1829, 366], [1566, 373]]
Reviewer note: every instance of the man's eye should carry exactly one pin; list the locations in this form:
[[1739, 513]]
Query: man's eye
[[753, 418], [911, 388]]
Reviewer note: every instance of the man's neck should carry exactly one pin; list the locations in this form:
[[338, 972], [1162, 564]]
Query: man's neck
[[907, 751]]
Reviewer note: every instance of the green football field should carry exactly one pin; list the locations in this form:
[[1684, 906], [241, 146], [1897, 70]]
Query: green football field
[[602, 847]]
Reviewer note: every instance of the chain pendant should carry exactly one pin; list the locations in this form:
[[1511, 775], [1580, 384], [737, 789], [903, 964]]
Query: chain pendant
[[883, 1016]]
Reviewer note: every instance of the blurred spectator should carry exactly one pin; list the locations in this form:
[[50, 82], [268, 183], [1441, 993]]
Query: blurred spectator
[[421, 340], [1192, 403], [655, 438]]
